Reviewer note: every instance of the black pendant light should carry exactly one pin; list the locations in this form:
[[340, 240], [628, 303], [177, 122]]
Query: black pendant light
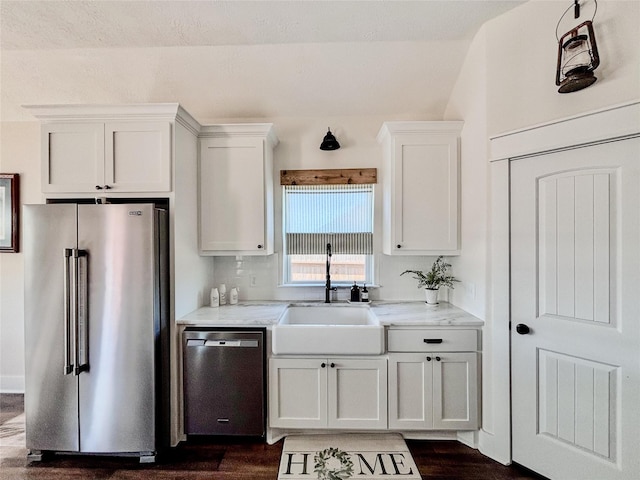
[[329, 142]]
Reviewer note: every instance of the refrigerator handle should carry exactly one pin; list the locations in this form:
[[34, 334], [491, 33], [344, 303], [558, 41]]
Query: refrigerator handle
[[68, 367], [80, 314]]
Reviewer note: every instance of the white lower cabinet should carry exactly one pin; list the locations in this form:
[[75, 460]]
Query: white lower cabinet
[[328, 393], [433, 391]]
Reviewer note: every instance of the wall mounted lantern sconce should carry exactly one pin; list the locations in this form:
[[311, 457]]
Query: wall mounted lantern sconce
[[577, 53], [329, 142]]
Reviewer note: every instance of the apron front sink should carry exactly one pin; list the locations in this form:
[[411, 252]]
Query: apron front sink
[[328, 329]]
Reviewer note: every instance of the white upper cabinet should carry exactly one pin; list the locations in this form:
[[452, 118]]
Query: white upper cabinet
[[138, 156], [236, 189], [420, 188], [98, 149]]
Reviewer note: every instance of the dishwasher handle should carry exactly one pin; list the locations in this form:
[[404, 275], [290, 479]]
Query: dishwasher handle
[[222, 343]]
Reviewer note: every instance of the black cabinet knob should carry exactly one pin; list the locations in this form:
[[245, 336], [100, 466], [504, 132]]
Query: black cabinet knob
[[259, 246], [522, 329], [323, 364], [438, 359], [398, 246], [98, 187], [333, 365], [107, 187], [428, 359]]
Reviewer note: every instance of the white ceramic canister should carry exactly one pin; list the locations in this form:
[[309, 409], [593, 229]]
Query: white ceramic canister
[[223, 294], [214, 298], [233, 296]]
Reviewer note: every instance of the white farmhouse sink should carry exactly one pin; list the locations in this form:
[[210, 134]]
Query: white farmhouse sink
[[328, 329]]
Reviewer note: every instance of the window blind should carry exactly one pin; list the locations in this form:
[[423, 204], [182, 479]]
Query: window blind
[[341, 215]]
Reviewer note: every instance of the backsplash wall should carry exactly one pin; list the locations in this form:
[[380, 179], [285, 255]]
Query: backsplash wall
[[258, 278]]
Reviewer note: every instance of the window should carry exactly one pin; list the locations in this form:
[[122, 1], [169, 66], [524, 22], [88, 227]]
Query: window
[[314, 215]]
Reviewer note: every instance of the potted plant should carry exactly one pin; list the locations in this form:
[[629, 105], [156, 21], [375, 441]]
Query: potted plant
[[435, 278]]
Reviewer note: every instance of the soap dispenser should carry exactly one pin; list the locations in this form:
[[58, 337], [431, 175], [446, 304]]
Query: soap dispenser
[[365, 294], [355, 292]]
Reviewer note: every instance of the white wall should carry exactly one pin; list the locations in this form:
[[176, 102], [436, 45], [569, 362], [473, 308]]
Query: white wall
[[508, 82], [19, 153], [298, 149], [521, 63]]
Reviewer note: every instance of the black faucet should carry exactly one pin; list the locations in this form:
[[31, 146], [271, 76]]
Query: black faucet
[[327, 286]]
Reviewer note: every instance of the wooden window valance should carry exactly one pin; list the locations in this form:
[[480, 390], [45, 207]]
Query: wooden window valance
[[338, 176]]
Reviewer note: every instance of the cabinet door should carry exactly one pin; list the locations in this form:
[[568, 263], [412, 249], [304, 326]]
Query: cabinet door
[[356, 396], [297, 393], [138, 156], [425, 195], [232, 196], [410, 392], [72, 157], [455, 391]]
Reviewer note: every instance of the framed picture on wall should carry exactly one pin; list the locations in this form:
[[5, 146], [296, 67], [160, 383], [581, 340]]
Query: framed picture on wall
[[9, 211]]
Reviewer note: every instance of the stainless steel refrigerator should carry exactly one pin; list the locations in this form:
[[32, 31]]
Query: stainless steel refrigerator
[[96, 333]]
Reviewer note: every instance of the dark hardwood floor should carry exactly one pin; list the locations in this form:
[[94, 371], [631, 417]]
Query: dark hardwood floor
[[228, 459]]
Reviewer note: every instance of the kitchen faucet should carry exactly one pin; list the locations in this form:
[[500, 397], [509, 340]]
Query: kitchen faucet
[[327, 286]]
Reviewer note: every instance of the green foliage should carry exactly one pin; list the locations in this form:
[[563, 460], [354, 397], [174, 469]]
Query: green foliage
[[434, 278], [333, 464]]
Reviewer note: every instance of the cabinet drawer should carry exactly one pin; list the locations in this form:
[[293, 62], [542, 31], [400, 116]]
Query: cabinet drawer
[[426, 340]]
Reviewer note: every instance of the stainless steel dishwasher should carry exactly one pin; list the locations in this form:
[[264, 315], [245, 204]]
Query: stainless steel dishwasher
[[224, 381]]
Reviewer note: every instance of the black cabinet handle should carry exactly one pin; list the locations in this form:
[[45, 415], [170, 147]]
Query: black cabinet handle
[[522, 329], [107, 187], [259, 246], [428, 359], [98, 187], [398, 246], [438, 359], [333, 365], [432, 340], [323, 364]]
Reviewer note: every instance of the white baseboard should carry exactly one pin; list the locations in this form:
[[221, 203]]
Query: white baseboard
[[11, 383]]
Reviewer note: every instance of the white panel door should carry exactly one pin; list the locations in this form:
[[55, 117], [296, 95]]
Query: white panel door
[[357, 393], [575, 273], [138, 156], [410, 392], [455, 391], [232, 195], [425, 195], [72, 157], [298, 392]]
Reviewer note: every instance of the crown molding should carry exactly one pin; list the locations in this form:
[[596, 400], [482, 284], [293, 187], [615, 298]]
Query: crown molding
[[227, 130], [419, 127], [605, 124]]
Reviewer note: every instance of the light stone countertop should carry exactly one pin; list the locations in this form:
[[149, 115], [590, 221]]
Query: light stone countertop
[[420, 314], [244, 314], [267, 313]]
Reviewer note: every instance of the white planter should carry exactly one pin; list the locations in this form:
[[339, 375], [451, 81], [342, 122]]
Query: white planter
[[432, 296]]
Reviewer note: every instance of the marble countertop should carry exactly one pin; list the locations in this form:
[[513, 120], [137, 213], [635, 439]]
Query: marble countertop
[[421, 314], [243, 314], [265, 313]]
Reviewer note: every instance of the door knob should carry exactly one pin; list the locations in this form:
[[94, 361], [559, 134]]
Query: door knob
[[522, 329]]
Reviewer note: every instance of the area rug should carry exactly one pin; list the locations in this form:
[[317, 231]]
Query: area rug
[[341, 457]]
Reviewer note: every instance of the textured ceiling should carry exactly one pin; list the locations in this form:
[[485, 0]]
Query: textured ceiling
[[239, 59]]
